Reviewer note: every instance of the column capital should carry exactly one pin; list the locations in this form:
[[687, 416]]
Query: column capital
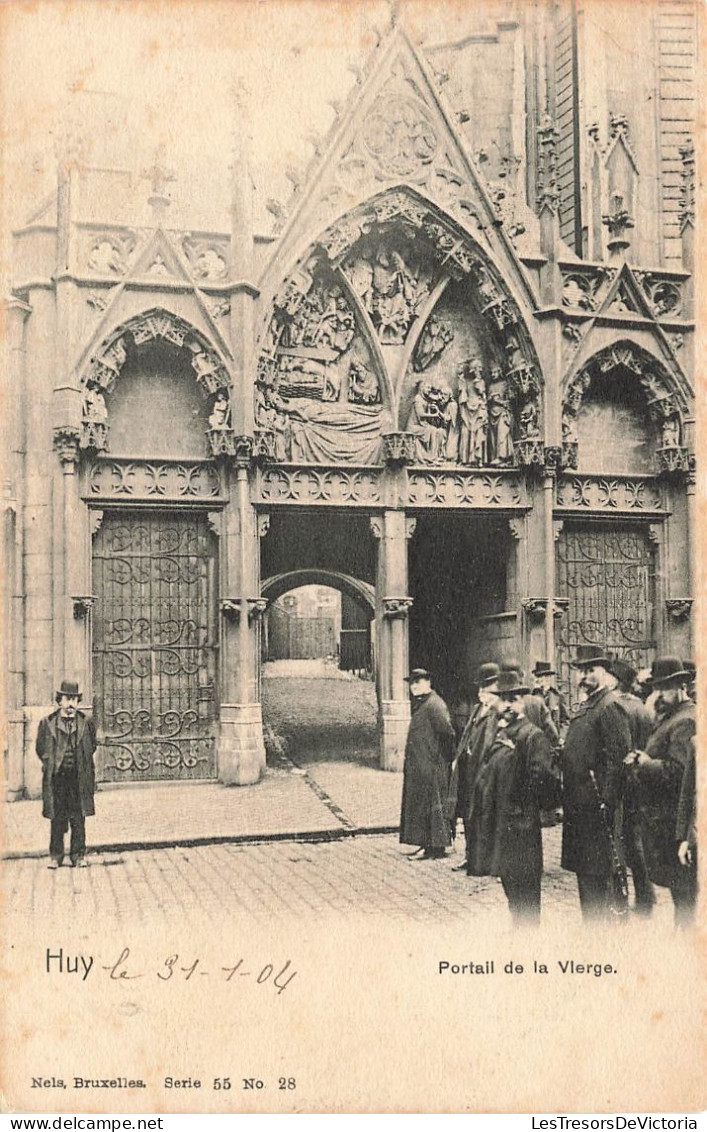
[[66, 445]]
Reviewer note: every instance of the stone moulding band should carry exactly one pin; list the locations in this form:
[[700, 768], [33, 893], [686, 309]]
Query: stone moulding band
[[483, 489], [610, 494], [153, 480]]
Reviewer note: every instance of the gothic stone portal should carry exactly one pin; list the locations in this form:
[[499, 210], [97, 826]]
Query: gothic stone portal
[[154, 649]]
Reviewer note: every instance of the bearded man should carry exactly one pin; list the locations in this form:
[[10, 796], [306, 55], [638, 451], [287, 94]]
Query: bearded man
[[597, 741]]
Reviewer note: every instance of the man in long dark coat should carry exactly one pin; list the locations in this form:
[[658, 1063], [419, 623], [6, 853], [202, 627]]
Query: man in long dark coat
[[516, 779], [428, 756], [661, 770], [640, 721], [597, 741], [474, 740], [65, 743]]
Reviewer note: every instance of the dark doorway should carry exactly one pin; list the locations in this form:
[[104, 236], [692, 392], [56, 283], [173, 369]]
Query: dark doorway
[[458, 566]]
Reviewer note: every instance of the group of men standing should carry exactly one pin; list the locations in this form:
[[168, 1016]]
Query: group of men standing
[[622, 769]]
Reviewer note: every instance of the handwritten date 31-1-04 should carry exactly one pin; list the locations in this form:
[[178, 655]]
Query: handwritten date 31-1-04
[[173, 968]]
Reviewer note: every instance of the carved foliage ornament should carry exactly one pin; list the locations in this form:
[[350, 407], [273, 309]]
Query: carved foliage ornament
[[546, 186], [662, 402], [104, 368], [687, 200], [66, 445]]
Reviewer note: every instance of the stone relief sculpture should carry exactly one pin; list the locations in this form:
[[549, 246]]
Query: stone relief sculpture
[[473, 414], [363, 385], [390, 289], [500, 419], [434, 340], [220, 418], [94, 404], [671, 432], [315, 390], [434, 422]]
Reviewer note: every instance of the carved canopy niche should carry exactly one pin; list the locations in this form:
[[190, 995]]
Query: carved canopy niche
[[397, 323], [190, 363], [624, 413]]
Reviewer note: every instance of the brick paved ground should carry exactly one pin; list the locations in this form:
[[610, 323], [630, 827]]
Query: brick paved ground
[[357, 876], [321, 777], [322, 780]]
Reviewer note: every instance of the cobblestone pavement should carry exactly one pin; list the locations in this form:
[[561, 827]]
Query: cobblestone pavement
[[322, 777], [212, 884]]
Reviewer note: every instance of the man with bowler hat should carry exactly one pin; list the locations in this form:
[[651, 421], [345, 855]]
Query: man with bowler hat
[[661, 771], [546, 688], [516, 778], [476, 736], [597, 741], [429, 751], [640, 721], [65, 744]]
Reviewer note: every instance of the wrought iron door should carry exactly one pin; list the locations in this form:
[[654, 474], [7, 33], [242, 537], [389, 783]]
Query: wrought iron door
[[155, 646], [608, 576]]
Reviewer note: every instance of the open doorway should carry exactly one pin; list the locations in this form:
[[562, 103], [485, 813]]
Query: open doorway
[[461, 570], [318, 689]]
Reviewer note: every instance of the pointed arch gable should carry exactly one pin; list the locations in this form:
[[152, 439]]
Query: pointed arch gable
[[103, 367], [419, 145], [652, 372], [508, 302]]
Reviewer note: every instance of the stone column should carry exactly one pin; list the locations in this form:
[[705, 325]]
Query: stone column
[[241, 748], [392, 529], [13, 384], [41, 478]]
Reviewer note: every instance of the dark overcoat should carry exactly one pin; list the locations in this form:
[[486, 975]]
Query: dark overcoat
[[428, 756], [516, 779], [598, 739], [670, 750], [47, 749], [476, 736]]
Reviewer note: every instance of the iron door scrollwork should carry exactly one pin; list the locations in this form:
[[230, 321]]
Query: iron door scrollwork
[[607, 575], [155, 647]]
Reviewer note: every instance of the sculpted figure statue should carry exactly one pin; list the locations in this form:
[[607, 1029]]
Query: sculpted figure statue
[[450, 409], [473, 414], [427, 424], [221, 412], [363, 385], [570, 434], [94, 404], [671, 432], [528, 423], [500, 419], [435, 339]]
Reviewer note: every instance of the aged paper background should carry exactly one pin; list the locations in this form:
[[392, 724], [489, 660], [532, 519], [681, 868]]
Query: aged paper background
[[367, 1024]]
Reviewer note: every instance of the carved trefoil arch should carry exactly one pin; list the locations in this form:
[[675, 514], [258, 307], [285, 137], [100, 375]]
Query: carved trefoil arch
[[364, 324], [104, 367], [665, 401]]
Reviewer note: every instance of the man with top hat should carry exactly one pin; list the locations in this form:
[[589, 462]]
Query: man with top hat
[[429, 751], [640, 721], [66, 741], [661, 770], [475, 738], [515, 780], [597, 741], [546, 688]]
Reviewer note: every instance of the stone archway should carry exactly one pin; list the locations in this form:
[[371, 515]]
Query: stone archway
[[379, 281], [665, 401], [103, 369], [363, 592]]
